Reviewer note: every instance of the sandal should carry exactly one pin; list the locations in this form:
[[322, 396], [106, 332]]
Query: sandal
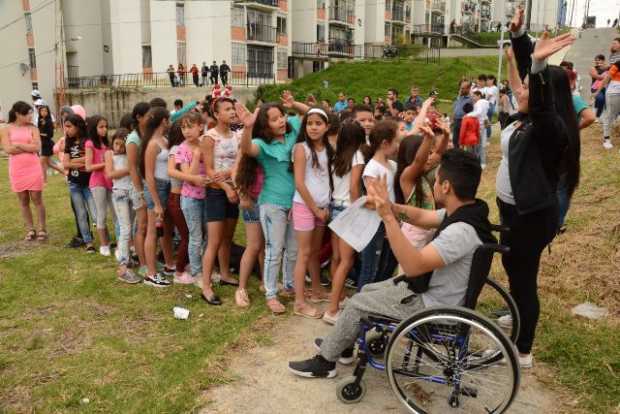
[[41, 235], [30, 236], [275, 306], [323, 297], [241, 298], [307, 311]]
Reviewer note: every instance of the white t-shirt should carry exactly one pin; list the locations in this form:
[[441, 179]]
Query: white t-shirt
[[491, 93], [342, 185], [375, 169], [316, 179], [480, 111]]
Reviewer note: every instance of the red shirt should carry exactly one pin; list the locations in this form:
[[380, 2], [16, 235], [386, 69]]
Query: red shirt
[[470, 131]]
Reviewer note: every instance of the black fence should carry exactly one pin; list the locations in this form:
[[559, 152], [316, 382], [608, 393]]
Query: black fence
[[261, 33], [163, 80]]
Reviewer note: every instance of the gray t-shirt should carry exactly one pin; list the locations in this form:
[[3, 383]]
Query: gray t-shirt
[[456, 245], [503, 187]]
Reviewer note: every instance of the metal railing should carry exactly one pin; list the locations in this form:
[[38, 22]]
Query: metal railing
[[434, 28], [271, 3], [340, 48], [340, 14], [310, 49], [162, 80], [261, 33]]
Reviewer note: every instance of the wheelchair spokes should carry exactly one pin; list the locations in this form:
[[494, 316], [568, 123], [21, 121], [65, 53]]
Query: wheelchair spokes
[[451, 362]]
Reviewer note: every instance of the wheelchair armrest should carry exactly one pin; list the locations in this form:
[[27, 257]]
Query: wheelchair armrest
[[494, 247], [398, 279], [500, 228]]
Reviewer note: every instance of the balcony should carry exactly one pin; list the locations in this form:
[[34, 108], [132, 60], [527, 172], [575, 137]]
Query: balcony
[[340, 48], [261, 33], [438, 6], [310, 50], [341, 15], [398, 15], [269, 5], [435, 28]]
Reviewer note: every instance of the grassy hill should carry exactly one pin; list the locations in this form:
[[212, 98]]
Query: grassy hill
[[358, 79]]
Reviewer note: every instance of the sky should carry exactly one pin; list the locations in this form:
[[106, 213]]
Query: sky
[[602, 9]]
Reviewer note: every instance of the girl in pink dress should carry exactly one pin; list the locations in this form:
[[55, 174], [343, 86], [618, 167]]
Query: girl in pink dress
[[21, 141]]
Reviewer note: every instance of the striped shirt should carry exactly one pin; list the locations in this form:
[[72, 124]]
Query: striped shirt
[[614, 57]]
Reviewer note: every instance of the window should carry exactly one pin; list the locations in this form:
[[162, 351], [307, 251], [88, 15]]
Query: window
[[147, 57], [387, 30], [320, 4], [282, 58], [180, 14], [388, 5], [259, 18], [237, 17], [281, 26], [239, 54], [28, 19], [320, 33], [260, 62], [32, 58]]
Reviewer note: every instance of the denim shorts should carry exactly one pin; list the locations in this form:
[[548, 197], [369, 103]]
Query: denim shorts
[[335, 210], [251, 216], [218, 207], [163, 190]]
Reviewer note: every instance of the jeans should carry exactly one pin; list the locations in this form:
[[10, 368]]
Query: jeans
[[124, 214], [480, 150], [175, 212], [83, 202], [279, 234], [456, 130], [370, 258], [490, 113], [563, 200], [599, 103], [103, 201], [194, 212]]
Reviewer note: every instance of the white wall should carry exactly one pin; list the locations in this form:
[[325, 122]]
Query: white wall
[[303, 19], [44, 42], [419, 10], [359, 32], [125, 36], [163, 34], [208, 30], [82, 18]]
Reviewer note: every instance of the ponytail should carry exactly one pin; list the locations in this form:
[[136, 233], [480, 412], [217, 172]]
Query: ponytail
[[383, 131]]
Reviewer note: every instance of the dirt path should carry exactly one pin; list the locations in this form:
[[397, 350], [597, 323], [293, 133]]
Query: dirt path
[[262, 383]]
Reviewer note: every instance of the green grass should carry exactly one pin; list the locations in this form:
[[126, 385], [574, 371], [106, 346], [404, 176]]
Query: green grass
[[358, 79], [69, 330]]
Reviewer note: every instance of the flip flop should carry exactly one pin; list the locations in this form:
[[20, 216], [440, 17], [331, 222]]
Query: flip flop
[[308, 312], [31, 235], [41, 235]]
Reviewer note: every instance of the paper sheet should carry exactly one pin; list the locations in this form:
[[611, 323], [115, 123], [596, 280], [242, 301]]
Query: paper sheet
[[356, 225]]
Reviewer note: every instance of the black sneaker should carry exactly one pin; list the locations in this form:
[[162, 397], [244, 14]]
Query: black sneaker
[[75, 243], [90, 249], [350, 284], [325, 280], [346, 358], [167, 271], [317, 367], [157, 280]]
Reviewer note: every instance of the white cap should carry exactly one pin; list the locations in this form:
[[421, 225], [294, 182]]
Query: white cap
[[40, 102], [35, 93]]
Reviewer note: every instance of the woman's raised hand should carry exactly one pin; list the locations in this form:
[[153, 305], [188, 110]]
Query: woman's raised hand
[[287, 99], [517, 19], [547, 46], [245, 116]]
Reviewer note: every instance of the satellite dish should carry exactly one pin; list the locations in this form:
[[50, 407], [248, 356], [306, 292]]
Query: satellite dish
[[23, 68]]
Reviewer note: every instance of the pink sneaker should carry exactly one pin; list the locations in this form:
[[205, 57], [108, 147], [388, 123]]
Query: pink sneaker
[[184, 279]]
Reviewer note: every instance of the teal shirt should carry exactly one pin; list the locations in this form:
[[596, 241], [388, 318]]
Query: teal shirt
[[275, 158], [579, 105], [133, 138]]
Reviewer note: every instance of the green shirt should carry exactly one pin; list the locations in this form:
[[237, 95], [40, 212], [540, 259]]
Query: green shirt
[[579, 105], [275, 158], [133, 138]]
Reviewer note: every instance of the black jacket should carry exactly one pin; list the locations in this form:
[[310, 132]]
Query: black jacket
[[537, 147]]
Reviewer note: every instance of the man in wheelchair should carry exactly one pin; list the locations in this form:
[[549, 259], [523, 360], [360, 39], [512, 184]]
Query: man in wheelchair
[[438, 274]]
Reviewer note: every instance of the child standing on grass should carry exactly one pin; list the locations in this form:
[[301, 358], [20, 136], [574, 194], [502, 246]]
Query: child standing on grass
[[116, 169], [275, 136], [100, 186], [192, 189], [46, 131], [219, 150], [21, 141], [312, 162], [469, 135], [346, 171], [383, 145]]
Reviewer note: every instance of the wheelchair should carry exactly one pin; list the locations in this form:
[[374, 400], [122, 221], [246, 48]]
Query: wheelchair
[[445, 359]]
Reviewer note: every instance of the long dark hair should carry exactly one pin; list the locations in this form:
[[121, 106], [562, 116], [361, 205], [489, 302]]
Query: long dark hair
[[44, 121], [350, 138], [385, 130], [566, 111], [175, 134], [155, 117], [246, 174], [303, 137], [407, 152], [261, 127], [139, 110], [91, 130], [80, 124], [19, 107]]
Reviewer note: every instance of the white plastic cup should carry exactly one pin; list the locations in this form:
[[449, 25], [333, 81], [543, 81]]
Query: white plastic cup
[[180, 313]]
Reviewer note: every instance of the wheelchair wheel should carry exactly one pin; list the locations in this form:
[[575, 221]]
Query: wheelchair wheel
[[496, 304], [349, 391], [451, 359]]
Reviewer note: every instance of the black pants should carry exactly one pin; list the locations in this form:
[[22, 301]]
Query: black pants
[[213, 79], [172, 82], [456, 129], [528, 236], [195, 79], [224, 78]]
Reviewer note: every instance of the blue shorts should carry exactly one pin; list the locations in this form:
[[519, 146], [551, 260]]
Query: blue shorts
[[218, 207], [334, 210], [251, 216], [163, 190]]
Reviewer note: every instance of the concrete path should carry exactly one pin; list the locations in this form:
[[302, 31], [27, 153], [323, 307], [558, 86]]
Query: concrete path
[[262, 383], [589, 43]]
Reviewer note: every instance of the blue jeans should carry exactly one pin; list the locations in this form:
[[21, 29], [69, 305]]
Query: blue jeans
[[124, 214], [83, 203], [163, 191], [194, 212], [370, 258], [279, 234], [252, 215], [490, 113], [563, 200]]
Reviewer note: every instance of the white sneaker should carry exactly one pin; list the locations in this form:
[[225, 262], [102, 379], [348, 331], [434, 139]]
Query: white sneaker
[[105, 251], [117, 254], [607, 144], [505, 321], [526, 361], [331, 319]]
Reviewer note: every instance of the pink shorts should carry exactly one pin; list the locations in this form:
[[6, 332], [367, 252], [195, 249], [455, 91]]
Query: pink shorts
[[304, 219]]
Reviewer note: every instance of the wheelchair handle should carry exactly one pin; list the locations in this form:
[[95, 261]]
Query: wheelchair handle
[[500, 228], [494, 247], [398, 279]]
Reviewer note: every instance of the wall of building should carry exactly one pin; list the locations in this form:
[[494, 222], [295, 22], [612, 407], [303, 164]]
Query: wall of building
[[359, 31], [208, 31], [125, 36], [375, 22], [419, 10], [44, 34], [303, 20], [83, 33], [163, 34]]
